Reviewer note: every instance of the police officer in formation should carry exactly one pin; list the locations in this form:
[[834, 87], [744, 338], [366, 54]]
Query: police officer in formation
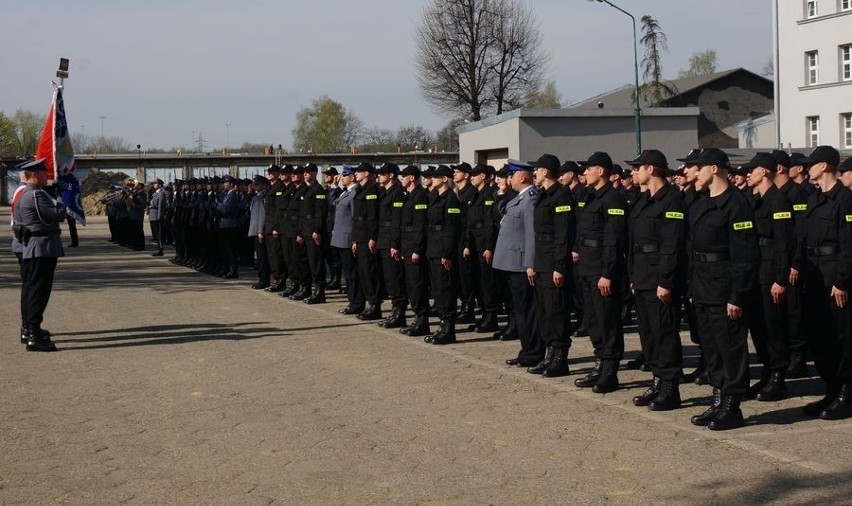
[[542, 241]]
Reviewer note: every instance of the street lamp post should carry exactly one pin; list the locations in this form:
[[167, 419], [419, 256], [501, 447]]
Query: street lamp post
[[638, 111], [227, 137]]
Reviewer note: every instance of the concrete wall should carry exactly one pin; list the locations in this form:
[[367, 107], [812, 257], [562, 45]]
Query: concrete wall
[[832, 96], [503, 135]]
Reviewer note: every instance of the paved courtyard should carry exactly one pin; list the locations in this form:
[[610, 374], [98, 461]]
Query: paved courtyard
[[172, 387]]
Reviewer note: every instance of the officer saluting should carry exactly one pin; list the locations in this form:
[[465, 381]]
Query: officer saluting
[[36, 225]]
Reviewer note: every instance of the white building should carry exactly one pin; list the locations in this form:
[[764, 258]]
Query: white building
[[813, 72]]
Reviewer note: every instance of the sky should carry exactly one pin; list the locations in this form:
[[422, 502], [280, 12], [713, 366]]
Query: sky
[[161, 71]]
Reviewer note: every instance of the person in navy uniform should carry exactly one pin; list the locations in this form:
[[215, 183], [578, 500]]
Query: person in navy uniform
[[36, 226], [555, 229], [514, 254], [365, 232], [341, 240], [723, 245], [413, 235], [601, 258], [257, 218], [229, 221], [313, 210], [157, 215], [391, 201], [466, 266], [827, 272], [445, 227], [657, 269]]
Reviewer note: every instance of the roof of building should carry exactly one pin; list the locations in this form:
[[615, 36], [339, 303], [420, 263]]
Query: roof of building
[[622, 97], [575, 113]]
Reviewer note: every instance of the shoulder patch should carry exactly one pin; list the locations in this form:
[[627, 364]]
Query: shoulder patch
[[674, 215], [371, 197], [420, 207], [489, 202], [563, 209], [278, 194], [320, 196], [743, 225], [786, 215], [397, 204], [800, 207], [453, 210], [615, 212]]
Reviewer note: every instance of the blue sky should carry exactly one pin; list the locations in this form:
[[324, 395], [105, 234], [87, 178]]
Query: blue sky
[[160, 70]]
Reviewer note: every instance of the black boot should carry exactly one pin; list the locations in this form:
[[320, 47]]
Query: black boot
[[393, 315], [25, 333], [700, 370], [465, 314], [815, 408], [419, 328], [317, 295], [487, 324], [395, 320], [775, 389], [334, 282], [350, 309], [650, 394], [798, 367], [668, 398], [558, 367], [372, 313], [275, 287], [447, 333], [590, 379], [539, 368], [730, 416], [39, 340], [510, 333], [710, 413], [636, 363], [303, 293], [760, 385], [290, 288], [841, 408], [608, 382]]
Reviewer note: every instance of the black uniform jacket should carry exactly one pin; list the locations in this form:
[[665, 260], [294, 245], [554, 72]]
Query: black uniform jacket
[[479, 235], [602, 234], [413, 222], [293, 211], [723, 246], [444, 217], [390, 209], [828, 235], [799, 198], [365, 213], [776, 236], [555, 229], [313, 211], [657, 255]]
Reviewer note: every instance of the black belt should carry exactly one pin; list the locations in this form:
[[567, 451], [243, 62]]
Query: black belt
[[308, 216], [436, 228], [711, 257], [409, 229], [544, 237], [359, 218], [650, 247], [478, 224], [823, 251], [44, 233], [386, 223], [764, 241], [592, 243], [295, 218]]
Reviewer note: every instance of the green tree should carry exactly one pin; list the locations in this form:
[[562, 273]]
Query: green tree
[[8, 138], [701, 63], [28, 126], [547, 97], [655, 90], [325, 127]]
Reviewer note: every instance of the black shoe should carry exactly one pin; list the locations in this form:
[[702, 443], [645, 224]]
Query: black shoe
[[540, 367], [816, 407], [591, 378], [302, 294], [729, 416], [275, 287], [650, 394], [158, 254], [753, 390], [290, 288], [395, 321], [419, 328], [487, 324], [372, 313], [775, 389], [447, 334], [636, 363], [798, 367], [40, 343], [513, 361], [231, 275], [668, 398], [465, 315], [700, 370], [510, 333], [260, 286], [608, 381], [841, 408], [704, 418], [702, 379], [558, 367], [317, 295], [391, 317], [351, 310]]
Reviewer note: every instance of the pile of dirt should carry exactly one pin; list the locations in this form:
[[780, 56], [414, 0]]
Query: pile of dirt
[[95, 186]]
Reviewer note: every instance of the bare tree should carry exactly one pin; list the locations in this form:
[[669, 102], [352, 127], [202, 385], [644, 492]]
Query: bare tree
[[768, 69], [700, 64], [654, 89], [447, 139], [477, 56], [547, 97], [412, 137]]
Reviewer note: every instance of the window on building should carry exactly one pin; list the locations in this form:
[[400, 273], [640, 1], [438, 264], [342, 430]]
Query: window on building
[[846, 130], [811, 9], [813, 131], [846, 62], [845, 5], [812, 67]]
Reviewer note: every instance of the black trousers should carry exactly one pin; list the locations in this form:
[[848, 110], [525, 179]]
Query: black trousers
[[442, 287], [829, 333], [137, 234], [602, 318], [466, 278], [263, 271], [756, 323], [416, 285], [287, 243], [72, 230], [776, 323], [725, 346], [230, 238], [393, 274], [526, 316], [349, 267], [504, 293], [368, 274], [277, 268], [113, 235], [179, 233], [299, 268], [36, 285], [554, 314], [577, 297], [316, 261], [157, 232], [793, 299], [659, 334]]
